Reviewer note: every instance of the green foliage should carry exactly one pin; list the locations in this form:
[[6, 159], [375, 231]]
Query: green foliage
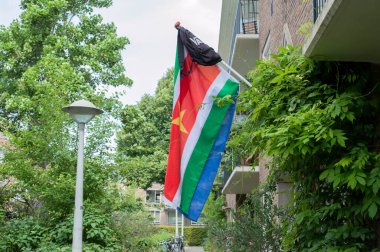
[[216, 223], [143, 141], [135, 230], [254, 227], [223, 101], [213, 209], [194, 235], [59, 51], [317, 122], [21, 234], [305, 29]]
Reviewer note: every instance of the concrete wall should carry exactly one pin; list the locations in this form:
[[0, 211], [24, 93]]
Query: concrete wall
[[227, 23]]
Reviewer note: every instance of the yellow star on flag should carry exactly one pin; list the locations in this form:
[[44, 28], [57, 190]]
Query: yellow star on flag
[[178, 121]]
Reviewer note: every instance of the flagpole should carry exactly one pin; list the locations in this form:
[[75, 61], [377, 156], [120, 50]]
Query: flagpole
[[182, 226], [176, 223], [236, 73]]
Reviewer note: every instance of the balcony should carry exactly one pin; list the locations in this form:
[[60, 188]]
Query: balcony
[[345, 30], [242, 180], [245, 46], [239, 34]]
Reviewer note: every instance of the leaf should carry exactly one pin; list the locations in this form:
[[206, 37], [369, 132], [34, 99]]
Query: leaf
[[313, 94], [344, 162], [376, 186], [336, 182], [372, 210], [352, 182], [341, 142], [331, 133], [277, 79], [350, 116], [299, 218], [304, 150], [361, 180], [324, 174]]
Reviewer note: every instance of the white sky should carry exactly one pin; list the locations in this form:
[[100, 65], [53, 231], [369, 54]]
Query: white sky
[[149, 25]]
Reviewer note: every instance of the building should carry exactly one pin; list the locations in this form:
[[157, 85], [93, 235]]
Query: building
[[318, 25], [162, 215], [336, 30], [328, 30], [239, 34], [239, 47]]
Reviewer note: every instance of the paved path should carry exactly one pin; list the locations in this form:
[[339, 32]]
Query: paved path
[[194, 249]]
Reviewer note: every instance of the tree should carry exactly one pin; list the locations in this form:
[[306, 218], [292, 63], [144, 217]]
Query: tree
[[58, 51], [143, 141]]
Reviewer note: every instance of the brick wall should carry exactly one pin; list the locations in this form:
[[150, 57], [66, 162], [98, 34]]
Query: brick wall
[[274, 16], [263, 169]]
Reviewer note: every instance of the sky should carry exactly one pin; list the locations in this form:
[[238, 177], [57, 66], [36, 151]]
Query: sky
[[149, 26]]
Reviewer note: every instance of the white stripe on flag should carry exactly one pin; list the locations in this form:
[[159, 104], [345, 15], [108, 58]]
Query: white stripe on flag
[[202, 116]]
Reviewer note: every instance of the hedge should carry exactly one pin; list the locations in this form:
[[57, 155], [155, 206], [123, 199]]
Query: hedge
[[194, 236]]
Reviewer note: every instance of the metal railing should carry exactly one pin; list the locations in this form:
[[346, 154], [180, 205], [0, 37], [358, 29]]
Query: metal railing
[[318, 7], [246, 21], [249, 14]]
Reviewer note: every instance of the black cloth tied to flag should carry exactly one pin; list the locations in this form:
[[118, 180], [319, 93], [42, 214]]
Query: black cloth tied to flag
[[200, 52]]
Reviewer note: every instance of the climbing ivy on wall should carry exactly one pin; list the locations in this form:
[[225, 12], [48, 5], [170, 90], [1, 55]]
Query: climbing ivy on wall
[[317, 122]]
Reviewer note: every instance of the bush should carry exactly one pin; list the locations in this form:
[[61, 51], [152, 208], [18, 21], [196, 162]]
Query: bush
[[21, 234], [254, 227], [194, 236], [317, 123]]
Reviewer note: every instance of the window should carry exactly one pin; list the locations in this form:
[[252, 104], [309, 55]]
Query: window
[[153, 197], [171, 217], [156, 217]]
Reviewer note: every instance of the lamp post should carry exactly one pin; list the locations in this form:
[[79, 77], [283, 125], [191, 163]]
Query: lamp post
[[82, 112]]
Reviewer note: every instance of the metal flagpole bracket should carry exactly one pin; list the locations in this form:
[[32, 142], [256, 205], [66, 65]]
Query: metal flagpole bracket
[[236, 73]]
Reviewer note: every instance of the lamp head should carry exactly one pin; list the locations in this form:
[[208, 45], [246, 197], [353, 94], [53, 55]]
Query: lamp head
[[82, 111]]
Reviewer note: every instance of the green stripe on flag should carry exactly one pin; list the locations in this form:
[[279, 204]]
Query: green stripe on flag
[[176, 66], [203, 146]]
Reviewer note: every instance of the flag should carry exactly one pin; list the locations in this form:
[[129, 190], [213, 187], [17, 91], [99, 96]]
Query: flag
[[200, 127]]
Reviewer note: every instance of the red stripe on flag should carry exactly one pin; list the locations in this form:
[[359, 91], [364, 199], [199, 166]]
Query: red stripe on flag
[[193, 88]]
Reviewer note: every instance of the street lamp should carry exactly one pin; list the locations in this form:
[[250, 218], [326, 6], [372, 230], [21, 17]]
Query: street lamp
[[82, 112]]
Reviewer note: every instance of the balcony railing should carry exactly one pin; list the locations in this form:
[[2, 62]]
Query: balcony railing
[[249, 14], [318, 7]]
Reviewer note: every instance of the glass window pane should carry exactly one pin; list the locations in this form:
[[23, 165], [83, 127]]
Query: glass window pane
[[156, 217], [171, 217]]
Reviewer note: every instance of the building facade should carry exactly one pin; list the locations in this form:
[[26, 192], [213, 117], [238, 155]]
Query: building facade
[[239, 47], [162, 214], [332, 30], [337, 30]]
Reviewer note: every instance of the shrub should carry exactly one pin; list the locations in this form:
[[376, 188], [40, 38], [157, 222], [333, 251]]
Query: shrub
[[194, 236], [318, 123], [21, 234]]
